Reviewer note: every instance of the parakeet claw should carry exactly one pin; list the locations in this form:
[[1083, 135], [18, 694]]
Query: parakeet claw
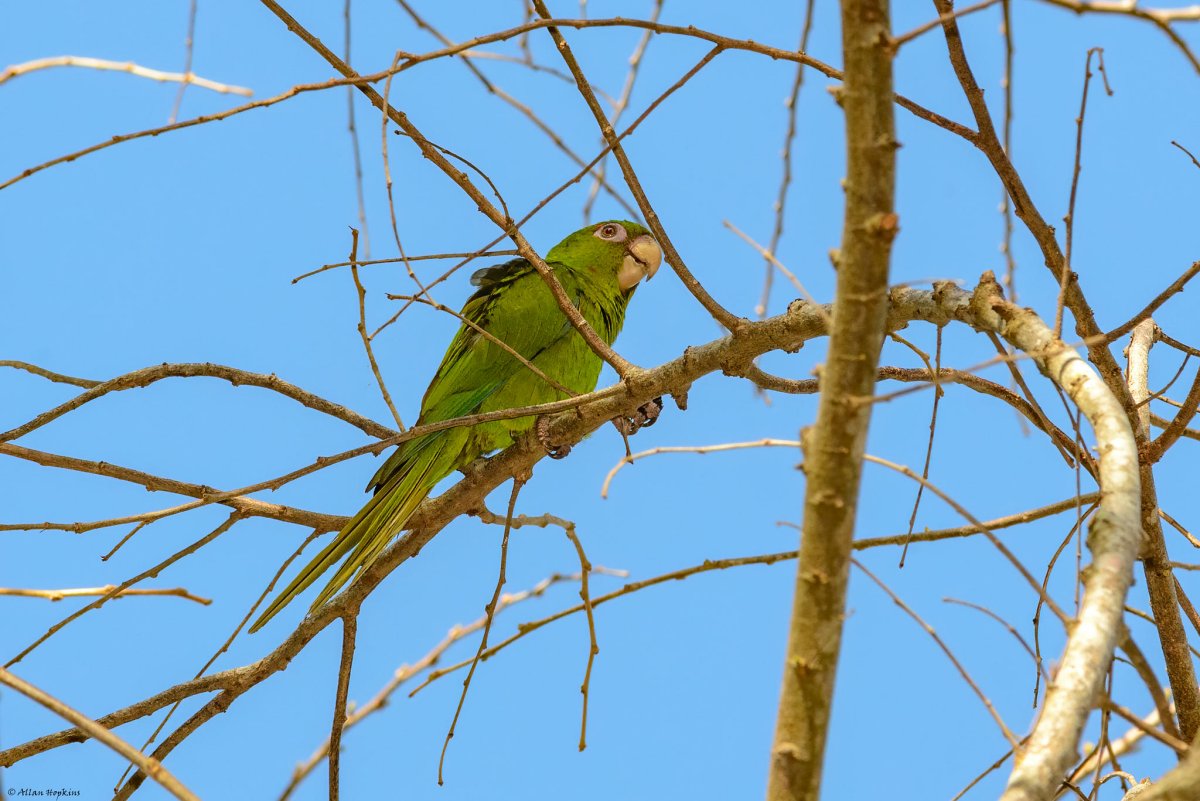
[[645, 416], [557, 451], [648, 412], [541, 428]]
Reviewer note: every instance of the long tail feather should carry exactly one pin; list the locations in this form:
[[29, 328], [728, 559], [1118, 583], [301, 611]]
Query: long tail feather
[[376, 524]]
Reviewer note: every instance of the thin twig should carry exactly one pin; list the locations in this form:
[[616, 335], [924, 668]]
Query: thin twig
[[189, 50], [1188, 152], [601, 348], [1162, 297], [85, 592], [489, 336], [764, 559], [149, 375], [1043, 421], [122, 66], [152, 767], [229, 640], [1161, 18], [1146, 728], [620, 105], [1025, 209], [1175, 524], [1037, 612], [205, 495], [352, 130], [528, 112], [700, 449], [670, 253], [1145, 671], [1010, 261], [785, 157], [384, 153], [987, 771], [687, 76], [58, 378], [402, 259], [1008, 735], [947, 375], [1186, 604], [585, 569], [1175, 429], [361, 291], [935, 370], [723, 42], [899, 41], [490, 610], [120, 543], [117, 590], [349, 630], [408, 671], [1175, 343], [1011, 629], [1158, 395], [773, 262]]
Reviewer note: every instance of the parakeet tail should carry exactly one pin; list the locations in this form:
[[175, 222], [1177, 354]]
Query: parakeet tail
[[376, 524]]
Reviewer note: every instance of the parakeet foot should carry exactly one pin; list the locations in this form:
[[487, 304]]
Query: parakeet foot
[[645, 416], [541, 428], [647, 413]]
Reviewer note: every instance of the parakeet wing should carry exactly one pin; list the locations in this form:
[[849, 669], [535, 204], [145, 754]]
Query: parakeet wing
[[598, 267], [515, 307]]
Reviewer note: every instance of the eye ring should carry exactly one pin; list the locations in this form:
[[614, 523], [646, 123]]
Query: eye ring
[[611, 232]]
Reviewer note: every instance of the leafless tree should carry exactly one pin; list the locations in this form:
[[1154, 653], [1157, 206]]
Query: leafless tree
[[1118, 451]]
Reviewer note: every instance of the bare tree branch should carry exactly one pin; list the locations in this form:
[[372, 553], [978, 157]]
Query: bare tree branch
[[1156, 563], [149, 375], [84, 592], [786, 331], [96, 730], [186, 77], [833, 457]]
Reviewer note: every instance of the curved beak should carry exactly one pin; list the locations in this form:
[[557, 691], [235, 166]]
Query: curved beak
[[642, 258]]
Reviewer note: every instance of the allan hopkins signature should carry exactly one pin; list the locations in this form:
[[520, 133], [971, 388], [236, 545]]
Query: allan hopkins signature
[[49, 792]]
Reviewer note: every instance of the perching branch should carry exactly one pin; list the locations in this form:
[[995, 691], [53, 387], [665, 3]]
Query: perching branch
[[784, 332]]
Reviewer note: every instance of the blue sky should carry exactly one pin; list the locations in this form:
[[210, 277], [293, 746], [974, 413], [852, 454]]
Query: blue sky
[[182, 248]]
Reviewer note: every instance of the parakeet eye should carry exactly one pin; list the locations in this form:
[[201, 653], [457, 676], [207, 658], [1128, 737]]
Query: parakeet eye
[[612, 232]]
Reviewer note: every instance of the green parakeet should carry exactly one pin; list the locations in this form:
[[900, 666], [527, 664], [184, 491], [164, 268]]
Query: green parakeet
[[599, 266]]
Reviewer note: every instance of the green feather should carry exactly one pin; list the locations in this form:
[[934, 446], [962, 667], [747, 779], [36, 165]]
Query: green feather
[[514, 305]]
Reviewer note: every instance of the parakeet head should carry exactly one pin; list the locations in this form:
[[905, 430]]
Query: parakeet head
[[617, 247]]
